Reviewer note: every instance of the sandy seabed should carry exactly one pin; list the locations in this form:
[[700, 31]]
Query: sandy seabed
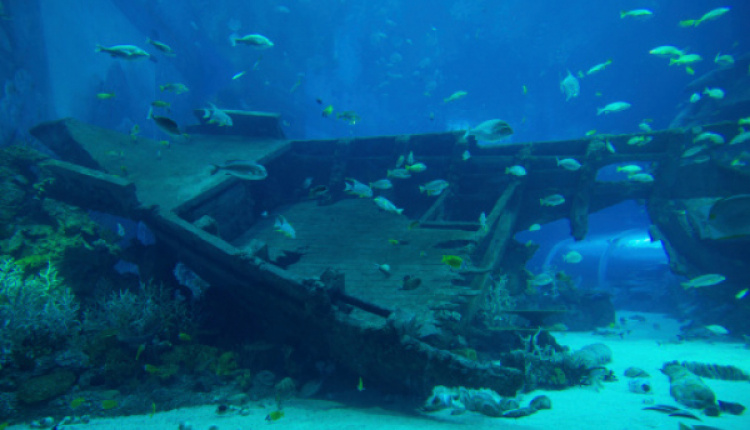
[[613, 407]]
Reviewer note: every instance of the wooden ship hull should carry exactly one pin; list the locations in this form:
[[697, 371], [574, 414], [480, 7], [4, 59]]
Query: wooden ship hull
[[323, 289]]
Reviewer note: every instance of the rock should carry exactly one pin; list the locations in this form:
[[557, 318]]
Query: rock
[[45, 387], [541, 402], [687, 388], [731, 408], [634, 372], [519, 413]]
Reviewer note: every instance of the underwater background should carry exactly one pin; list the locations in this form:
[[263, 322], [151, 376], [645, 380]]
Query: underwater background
[[91, 320]]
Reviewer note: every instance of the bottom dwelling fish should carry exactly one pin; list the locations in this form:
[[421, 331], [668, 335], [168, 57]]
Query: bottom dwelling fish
[[247, 170]]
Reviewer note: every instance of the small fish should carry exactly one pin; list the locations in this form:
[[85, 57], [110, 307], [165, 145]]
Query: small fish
[[184, 337], [327, 111], [629, 169], [687, 23], [573, 257], [135, 130], [109, 404], [541, 280], [105, 96], [535, 227], [725, 60], [354, 187], [161, 104], [348, 116], [296, 84], [416, 168], [434, 188], [570, 86], [685, 59], [645, 126], [317, 191], [141, 348], [174, 87], [693, 151], [257, 41], [307, 182], [491, 130], [161, 46], [385, 268], [712, 14], [399, 174], [387, 205], [717, 330], [282, 226], [552, 200], [613, 107], [636, 13], [455, 96], [744, 121], [689, 70], [515, 170], [125, 52], [743, 137], [610, 148], [714, 93], [695, 97], [641, 177], [704, 281], [153, 410], [598, 67], [741, 294], [381, 184], [466, 155], [568, 164], [483, 221], [121, 230], [275, 416], [590, 132], [243, 169], [360, 385], [400, 161], [524, 89], [410, 158], [217, 116], [666, 51], [453, 261], [393, 241], [639, 140], [77, 402], [167, 125]]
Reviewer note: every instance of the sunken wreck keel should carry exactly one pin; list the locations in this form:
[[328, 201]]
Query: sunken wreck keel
[[323, 289]]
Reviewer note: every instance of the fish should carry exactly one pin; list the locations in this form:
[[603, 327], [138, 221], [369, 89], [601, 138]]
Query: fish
[[636, 13], [685, 59], [238, 75], [400, 161], [348, 116], [161, 104], [613, 107], [126, 52], [524, 89], [515, 170], [629, 169], [599, 67], [687, 23], [174, 87], [535, 227], [640, 140], [217, 116], [610, 148], [275, 416], [381, 184], [590, 133], [317, 191], [434, 188], [77, 402], [109, 404], [695, 97], [282, 226], [712, 14], [327, 111], [570, 86], [466, 155], [105, 96], [717, 330], [410, 158], [725, 60], [257, 41], [667, 51], [491, 130], [729, 218], [385, 268], [243, 169], [185, 337], [742, 137], [455, 96], [645, 126], [552, 200], [354, 187], [714, 138], [744, 121], [417, 167], [704, 281], [360, 385], [714, 93], [693, 151], [641, 177], [135, 130], [689, 70], [307, 182], [541, 279], [453, 261], [139, 351], [573, 257], [568, 164], [741, 294], [166, 124], [483, 221], [398, 174], [387, 205], [161, 46]]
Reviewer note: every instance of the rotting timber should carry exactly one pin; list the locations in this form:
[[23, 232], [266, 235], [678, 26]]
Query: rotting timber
[[323, 289]]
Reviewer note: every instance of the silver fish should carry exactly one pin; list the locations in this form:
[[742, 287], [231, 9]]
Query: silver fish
[[247, 170]]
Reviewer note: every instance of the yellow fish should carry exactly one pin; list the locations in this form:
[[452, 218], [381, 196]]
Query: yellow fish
[[141, 348], [75, 403], [105, 96], [275, 416], [360, 385], [741, 294], [393, 241], [455, 96], [689, 70], [453, 260], [590, 132], [109, 404]]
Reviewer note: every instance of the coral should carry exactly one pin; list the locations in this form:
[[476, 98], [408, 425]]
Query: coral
[[39, 312]]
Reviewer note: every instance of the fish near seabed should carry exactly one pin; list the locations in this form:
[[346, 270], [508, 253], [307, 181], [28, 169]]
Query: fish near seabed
[[704, 281], [491, 130], [243, 169], [257, 41], [570, 86], [217, 116], [126, 52]]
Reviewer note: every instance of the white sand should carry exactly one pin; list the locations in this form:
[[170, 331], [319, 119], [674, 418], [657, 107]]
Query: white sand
[[614, 407]]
